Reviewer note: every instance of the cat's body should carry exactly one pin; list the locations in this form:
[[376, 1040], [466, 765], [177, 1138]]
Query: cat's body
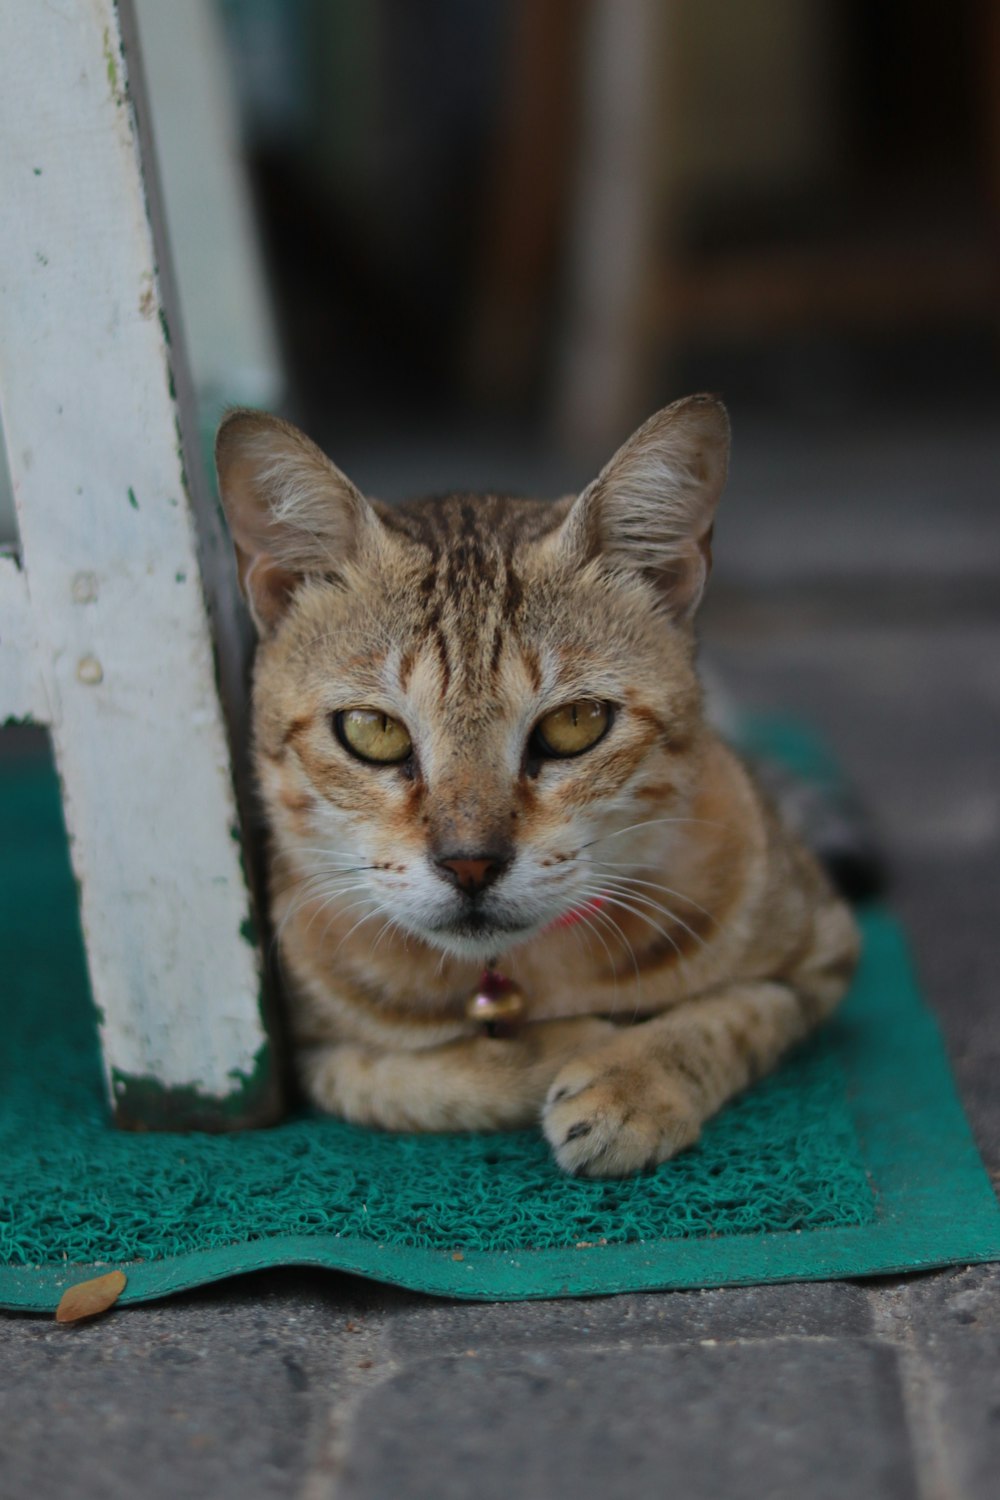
[[479, 738]]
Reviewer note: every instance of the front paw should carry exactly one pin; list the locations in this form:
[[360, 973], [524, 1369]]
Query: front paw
[[607, 1116]]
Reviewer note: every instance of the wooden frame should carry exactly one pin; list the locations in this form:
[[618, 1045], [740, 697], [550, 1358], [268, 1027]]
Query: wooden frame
[[120, 628]]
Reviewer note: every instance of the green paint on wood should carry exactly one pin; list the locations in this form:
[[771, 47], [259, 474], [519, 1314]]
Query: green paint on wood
[[142, 1102], [131, 498], [37, 171], [248, 930], [117, 85], [109, 61], [180, 578], [164, 327]]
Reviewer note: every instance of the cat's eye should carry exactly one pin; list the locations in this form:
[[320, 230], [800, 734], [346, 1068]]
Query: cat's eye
[[571, 729], [372, 735]]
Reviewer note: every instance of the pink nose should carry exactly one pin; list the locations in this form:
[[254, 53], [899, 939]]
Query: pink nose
[[472, 875]]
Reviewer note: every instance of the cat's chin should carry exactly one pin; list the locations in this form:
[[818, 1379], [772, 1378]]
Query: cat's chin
[[477, 937]]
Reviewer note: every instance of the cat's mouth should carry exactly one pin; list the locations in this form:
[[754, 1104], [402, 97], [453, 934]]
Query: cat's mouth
[[477, 934], [478, 924]]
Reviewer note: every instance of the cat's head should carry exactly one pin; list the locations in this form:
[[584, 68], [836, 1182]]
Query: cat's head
[[464, 707]]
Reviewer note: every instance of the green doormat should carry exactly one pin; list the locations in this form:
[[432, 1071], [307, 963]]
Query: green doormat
[[854, 1159]]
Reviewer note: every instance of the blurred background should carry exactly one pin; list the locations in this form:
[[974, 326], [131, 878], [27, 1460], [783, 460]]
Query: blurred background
[[491, 236], [472, 243], [542, 218]]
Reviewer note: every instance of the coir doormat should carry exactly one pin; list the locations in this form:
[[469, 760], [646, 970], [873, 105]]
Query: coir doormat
[[854, 1159]]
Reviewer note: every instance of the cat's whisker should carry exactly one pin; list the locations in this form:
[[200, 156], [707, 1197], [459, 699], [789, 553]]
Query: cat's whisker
[[313, 890], [365, 917], [391, 923], [333, 897], [322, 879], [585, 921], [328, 859], [626, 890], [323, 849], [646, 823], [637, 912], [325, 897], [597, 912], [605, 917], [664, 911], [656, 885], [336, 881]]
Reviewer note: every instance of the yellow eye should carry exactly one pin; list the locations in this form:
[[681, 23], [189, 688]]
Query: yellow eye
[[573, 728], [372, 735]]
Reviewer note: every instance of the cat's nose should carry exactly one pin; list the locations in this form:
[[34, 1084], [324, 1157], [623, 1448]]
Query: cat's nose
[[472, 873]]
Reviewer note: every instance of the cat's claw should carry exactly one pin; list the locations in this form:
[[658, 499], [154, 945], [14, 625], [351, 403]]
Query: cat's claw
[[606, 1118]]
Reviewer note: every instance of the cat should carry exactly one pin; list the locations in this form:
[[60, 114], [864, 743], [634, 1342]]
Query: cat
[[479, 740]]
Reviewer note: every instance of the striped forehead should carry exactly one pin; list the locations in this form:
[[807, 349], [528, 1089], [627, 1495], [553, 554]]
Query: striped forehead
[[471, 592]]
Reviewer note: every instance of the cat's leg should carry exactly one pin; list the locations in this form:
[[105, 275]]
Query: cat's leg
[[643, 1095], [478, 1083]]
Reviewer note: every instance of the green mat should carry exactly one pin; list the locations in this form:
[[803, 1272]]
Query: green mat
[[854, 1159]]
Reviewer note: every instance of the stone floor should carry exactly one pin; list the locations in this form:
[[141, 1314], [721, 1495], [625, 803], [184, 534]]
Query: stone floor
[[887, 636]]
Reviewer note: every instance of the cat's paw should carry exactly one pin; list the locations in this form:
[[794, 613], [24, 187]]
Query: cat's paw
[[337, 1080], [612, 1116]]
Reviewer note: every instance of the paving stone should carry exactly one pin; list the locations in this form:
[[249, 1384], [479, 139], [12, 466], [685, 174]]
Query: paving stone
[[781, 1418], [828, 1308], [964, 1366], [213, 1394], [920, 1307]]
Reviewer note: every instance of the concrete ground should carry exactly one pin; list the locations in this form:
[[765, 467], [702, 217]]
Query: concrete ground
[[857, 584]]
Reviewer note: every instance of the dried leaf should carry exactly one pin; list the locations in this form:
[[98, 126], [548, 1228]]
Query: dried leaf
[[88, 1298]]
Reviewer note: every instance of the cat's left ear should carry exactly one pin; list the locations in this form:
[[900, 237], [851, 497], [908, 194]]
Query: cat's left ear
[[651, 509]]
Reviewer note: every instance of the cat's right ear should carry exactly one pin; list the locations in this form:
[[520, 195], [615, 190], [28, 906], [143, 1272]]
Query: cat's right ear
[[292, 513]]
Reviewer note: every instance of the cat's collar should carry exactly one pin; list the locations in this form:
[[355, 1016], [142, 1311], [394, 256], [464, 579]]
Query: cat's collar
[[498, 1003]]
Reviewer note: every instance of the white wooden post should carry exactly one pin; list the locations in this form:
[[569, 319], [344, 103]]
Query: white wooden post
[[106, 629], [607, 341]]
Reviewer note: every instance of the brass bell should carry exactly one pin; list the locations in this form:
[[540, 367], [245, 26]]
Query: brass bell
[[497, 999]]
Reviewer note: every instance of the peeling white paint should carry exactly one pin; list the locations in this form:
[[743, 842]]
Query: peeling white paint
[[123, 655]]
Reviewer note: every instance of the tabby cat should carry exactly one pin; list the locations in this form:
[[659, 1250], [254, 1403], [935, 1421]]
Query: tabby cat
[[480, 743]]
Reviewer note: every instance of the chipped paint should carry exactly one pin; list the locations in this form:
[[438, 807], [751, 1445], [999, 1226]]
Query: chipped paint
[[116, 86], [143, 1102], [89, 671], [85, 587], [162, 892]]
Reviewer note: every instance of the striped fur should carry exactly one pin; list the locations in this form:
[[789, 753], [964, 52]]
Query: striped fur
[[467, 619]]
